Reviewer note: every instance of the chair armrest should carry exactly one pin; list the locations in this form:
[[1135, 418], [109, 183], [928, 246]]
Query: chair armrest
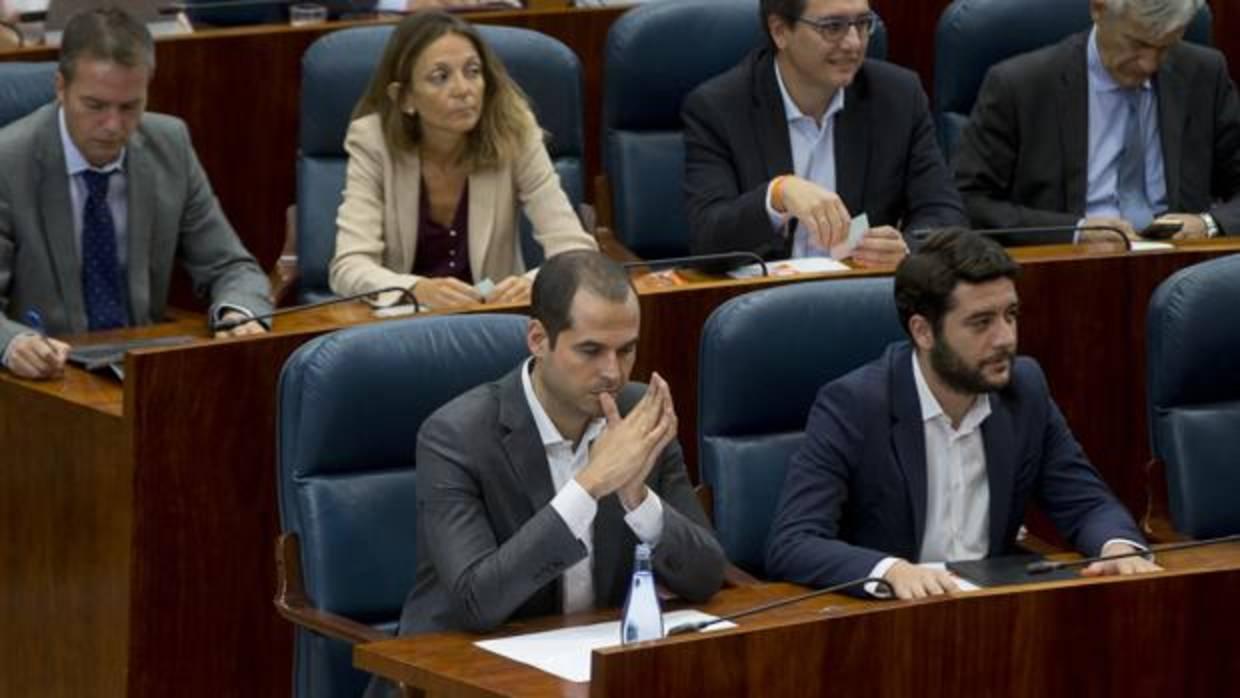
[[293, 604]]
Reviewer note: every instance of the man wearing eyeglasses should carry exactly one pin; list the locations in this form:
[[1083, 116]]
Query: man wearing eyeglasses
[[783, 150], [1108, 128]]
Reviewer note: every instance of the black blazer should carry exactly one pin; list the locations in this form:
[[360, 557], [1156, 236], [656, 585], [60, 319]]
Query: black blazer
[[887, 161], [1024, 156]]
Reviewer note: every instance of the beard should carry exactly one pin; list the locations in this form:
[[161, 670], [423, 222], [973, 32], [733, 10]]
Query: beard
[[963, 378]]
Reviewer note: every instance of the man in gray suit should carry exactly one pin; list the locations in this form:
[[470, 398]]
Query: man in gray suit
[[533, 490], [97, 197], [1110, 128]]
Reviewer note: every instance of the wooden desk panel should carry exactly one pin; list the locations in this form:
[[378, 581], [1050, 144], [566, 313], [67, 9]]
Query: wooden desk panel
[[1162, 634]]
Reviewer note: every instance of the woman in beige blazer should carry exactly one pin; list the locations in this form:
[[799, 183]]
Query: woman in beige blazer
[[442, 135]]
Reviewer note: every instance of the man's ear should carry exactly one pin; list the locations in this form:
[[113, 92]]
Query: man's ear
[[61, 85], [536, 339], [922, 332], [780, 31]]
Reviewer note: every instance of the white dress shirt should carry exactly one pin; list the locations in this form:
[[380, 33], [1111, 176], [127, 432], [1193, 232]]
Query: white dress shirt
[[813, 158], [574, 505]]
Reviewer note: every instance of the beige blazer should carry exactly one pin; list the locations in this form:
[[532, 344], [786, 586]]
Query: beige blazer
[[377, 223]]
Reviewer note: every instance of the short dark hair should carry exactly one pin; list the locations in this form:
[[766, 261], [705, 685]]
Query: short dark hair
[[925, 279], [787, 10], [559, 279], [109, 34]]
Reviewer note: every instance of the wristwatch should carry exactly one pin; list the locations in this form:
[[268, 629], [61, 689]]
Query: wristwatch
[[1212, 230]]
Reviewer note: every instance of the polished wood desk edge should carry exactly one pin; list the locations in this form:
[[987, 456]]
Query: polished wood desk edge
[[393, 658]]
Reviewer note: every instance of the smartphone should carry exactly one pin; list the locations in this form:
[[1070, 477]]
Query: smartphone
[[1161, 230]]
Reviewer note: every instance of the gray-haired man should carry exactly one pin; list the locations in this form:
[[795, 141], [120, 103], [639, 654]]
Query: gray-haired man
[[1119, 126]]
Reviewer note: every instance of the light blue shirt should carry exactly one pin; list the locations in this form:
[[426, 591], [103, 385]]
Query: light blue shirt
[[118, 192], [813, 158], [1108, 118]]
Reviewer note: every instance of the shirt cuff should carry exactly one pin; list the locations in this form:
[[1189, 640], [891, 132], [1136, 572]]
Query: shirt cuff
[[1133, 543], [647, 519], [392, 6], [227, 307], [778, 220], [880, 592], [576, 507]]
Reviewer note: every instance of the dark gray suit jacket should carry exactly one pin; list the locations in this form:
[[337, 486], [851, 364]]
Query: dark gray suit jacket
[[887, 161], [172, 213], [1024, 157], [490, 546]]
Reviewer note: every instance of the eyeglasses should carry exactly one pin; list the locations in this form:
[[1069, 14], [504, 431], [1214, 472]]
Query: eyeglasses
[[836, 28]]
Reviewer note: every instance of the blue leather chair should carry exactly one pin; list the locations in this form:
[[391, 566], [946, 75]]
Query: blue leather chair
[[651, 63], [763, 358], [975, 34], [350, 406], [335, 71], [25, 87], [1193, 379]]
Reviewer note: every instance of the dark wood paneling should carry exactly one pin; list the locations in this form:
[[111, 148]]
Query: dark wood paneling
[[65, 514]]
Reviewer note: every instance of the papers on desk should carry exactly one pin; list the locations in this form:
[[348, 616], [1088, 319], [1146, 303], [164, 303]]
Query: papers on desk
[[789, 267], [962, 583], [566, 652], [1150, 245]]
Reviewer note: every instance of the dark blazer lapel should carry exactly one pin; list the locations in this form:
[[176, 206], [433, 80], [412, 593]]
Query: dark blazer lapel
[[1171, 87], [852, 145], [522, 445], [999, 443], [769, 117], [908, 436], [141, 197], [56, 209], [1073, 102]]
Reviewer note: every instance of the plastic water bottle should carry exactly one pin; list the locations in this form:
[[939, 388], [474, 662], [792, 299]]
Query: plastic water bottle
[[643, 619]]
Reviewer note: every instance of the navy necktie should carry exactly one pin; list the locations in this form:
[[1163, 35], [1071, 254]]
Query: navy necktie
[[1134, 203], [101, 277]]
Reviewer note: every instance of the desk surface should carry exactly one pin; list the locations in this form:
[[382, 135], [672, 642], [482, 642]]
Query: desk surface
[[451, 664]]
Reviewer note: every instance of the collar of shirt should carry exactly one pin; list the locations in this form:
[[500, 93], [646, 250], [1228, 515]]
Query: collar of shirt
[[547, 430], [75, 162], [794, 113], [931, 409], [1099, 77]]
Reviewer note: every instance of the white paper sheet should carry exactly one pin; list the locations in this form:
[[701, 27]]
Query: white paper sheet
[[964, 584], [566, 652]]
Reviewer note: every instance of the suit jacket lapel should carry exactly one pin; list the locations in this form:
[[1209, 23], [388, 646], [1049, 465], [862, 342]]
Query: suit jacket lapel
[[142, 184], [1171, 87], [522, 444], [852, 147], [482, 212], [999, 444], [767, 114], [56, 209], [1073, 101], [909, 438], [406, 193]]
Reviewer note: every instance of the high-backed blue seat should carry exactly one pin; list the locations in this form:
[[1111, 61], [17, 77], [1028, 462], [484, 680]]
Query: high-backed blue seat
[[655, 56], [350, 406], [25, 87], [334, 73], [1193, 383], [763, 358], [975, 34]]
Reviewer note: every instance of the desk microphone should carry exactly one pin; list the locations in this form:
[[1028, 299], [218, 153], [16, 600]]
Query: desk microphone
[[227, 325], [1044, 566], [695, 626], [1030, 235], [701, 259]]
